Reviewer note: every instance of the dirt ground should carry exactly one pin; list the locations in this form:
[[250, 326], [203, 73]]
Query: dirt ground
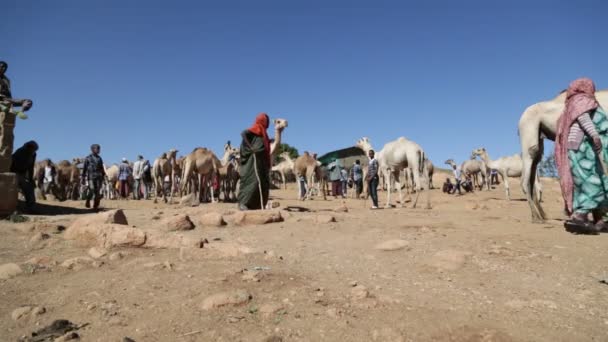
[[473, 268]]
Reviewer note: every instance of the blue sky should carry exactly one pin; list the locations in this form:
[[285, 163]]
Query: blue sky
[[142, 77]]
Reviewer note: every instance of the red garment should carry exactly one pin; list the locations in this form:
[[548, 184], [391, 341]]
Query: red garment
[[580, 99], [259, 127]]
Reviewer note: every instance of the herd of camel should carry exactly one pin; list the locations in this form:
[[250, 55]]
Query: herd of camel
[[400, 161]]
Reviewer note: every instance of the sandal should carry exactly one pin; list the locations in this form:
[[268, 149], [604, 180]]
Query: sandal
[[578, 226]]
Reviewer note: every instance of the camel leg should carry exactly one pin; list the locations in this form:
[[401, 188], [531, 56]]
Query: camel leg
[[539, 188], [387, 178], [530, 158], [504, 177], [416, 180], [398, 185]]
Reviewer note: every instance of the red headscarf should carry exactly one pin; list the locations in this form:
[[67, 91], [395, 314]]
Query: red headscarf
[[580, 99], [259, 127]]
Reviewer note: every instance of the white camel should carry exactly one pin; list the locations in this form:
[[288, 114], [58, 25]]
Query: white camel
[[539, 121], [510, 166], [284, 168], [164, 166], [396, 156], [473, 168]]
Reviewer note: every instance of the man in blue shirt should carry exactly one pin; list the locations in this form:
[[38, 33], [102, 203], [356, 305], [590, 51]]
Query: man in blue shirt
[[372, 178]]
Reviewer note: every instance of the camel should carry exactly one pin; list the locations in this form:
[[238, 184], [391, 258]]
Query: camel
[[227, 172], [506, 167], [111, 180], [279, 126], [67, 179], [164, 166], [308, 167], [285, 167], [473, 168], [396, 156], [537, 122], [408, 176], [205, 165]]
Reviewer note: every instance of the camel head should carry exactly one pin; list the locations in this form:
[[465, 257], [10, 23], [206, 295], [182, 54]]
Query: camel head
[[230, 151], [364, 144], [478, 152], [284, 155], [280, 124], [172, 154], [450, 162]]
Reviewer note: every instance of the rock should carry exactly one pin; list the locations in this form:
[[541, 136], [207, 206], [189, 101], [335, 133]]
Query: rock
[[37, 311], [254, 276], [171, 240], [70, 336], [228, 249], [39, 237], [323, 219], [273, 338], [117, 256], [359, 292], [189, 201], [238, 297], [97, 253], [112, 216], [106, 235], [392, 245], [270, 309], [43, 261], [8, 271], [77, 263], [257, 217], [449, 260], [178, 223], [341, 209], [48, 227], [21, 312], [275, 205], [212, 220]]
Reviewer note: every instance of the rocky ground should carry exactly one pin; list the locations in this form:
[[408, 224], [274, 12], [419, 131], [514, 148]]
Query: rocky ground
[[473, 268]]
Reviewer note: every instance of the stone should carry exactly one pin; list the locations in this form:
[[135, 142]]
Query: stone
[[42, 261], [77, 263], [257, 217], [37, 311], [234, 298], [21, 312], [189, 201], [212, 220], [106, 235], [48, 227], [117, 256], [324, 219], [449, 260], [9, 191], [341, 209], [359, 292], [392, 245], [39, 237], [112, 216], [97, 253], [70, 336], [172, 240], [270, 309], [178, 223], [8, 271]]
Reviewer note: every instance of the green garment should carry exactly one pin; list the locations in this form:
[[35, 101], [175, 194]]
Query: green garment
[[590, 182], [249, 192]]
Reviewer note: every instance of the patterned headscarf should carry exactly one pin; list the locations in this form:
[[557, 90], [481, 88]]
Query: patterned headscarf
[[259, 127]]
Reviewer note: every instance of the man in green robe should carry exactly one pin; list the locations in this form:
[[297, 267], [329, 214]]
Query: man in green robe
[[255, 165]]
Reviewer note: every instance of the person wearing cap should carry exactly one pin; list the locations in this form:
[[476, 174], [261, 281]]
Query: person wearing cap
[[93, 174], [124, 172], [138, 174], [22, 165]]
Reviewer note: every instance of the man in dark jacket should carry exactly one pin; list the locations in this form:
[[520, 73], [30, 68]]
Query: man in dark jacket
[[93, 174], [22, 165]]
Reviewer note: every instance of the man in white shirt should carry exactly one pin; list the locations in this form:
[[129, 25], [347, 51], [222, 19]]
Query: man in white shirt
[[138, 172], [49, 176]]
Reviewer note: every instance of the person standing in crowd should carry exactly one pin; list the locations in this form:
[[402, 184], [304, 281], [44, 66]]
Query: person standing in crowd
[[335, 177], [93, 174], [372, 178], [138, 174], [124, 172], [147, 179], [23, 161], [457, 179], [357, 176], [344, 181], [50, 172]]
